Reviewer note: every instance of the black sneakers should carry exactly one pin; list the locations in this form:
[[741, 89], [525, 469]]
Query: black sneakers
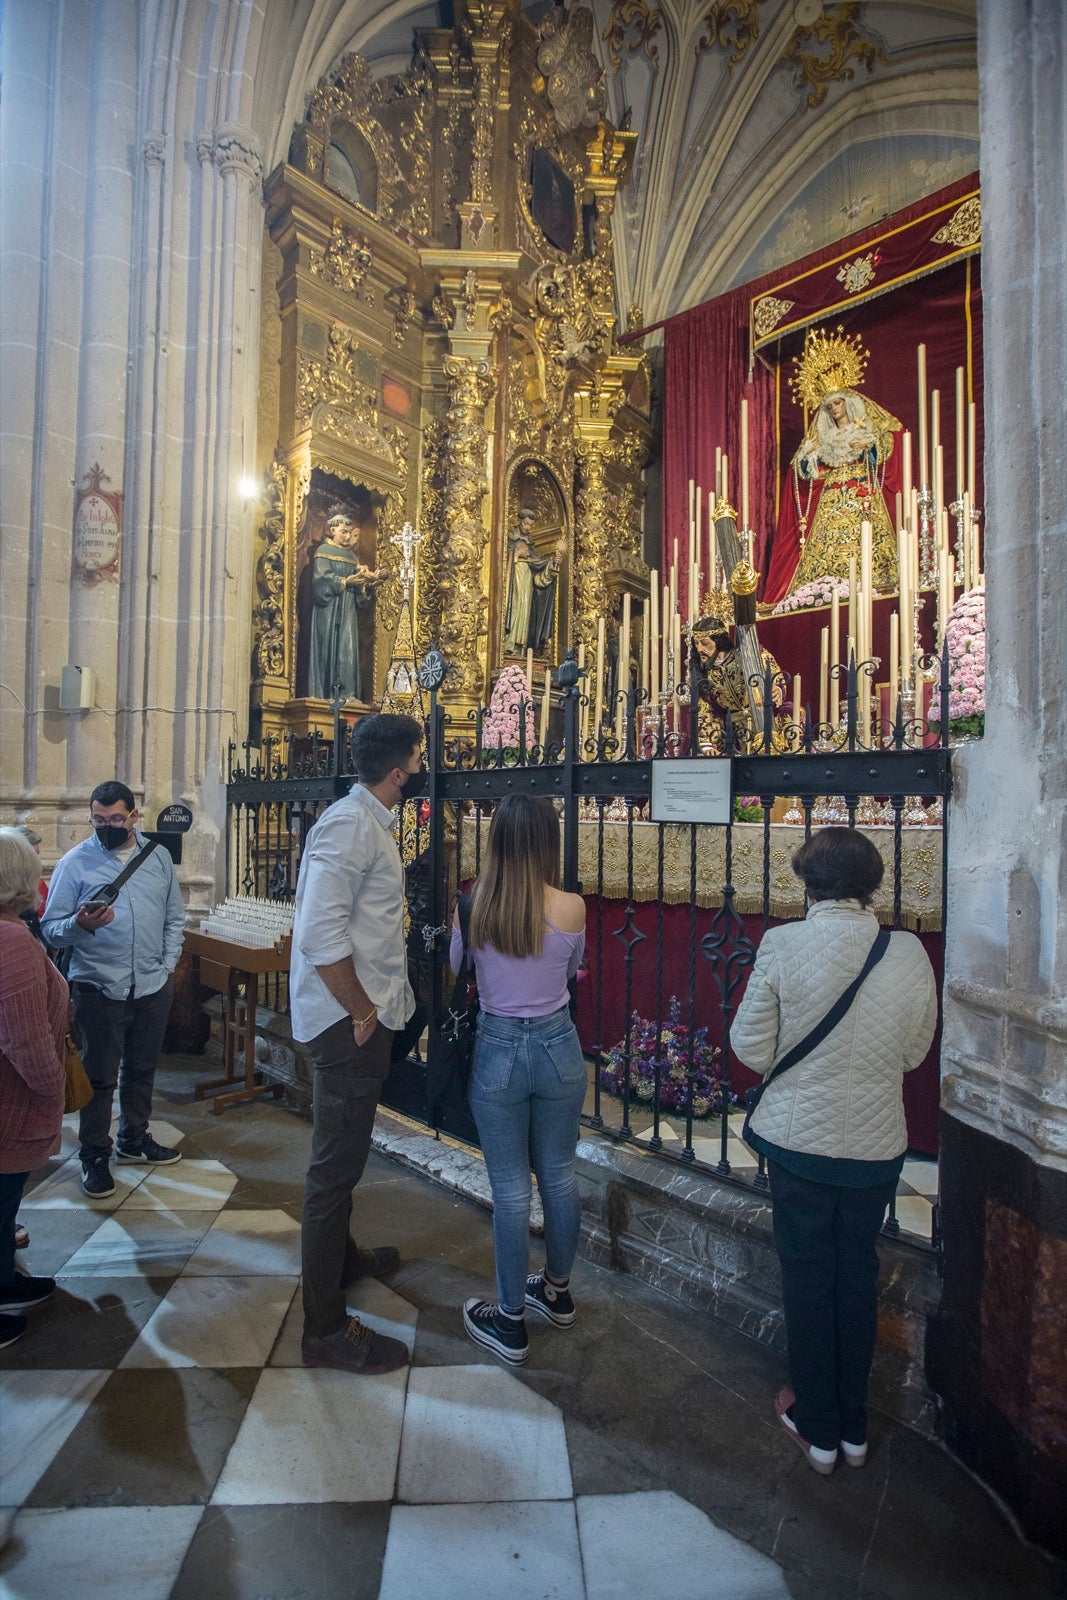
[[549, 1301], [354, 1348], [26, 1292], [11, 1328], [96, 1178], [505, 1336], [147, 1150]]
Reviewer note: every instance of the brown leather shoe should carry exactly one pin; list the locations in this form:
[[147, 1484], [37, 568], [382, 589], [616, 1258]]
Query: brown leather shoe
[[354, 1348], [370, 1264]]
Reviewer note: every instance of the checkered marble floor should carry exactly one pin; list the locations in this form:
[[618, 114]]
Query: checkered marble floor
[[196, 1443], [160, 1438]]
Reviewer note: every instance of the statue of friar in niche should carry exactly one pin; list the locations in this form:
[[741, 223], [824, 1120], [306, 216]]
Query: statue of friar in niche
[[532, 579], [340, 587]]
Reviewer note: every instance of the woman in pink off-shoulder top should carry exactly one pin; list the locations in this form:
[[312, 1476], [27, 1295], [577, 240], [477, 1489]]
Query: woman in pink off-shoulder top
[[528, 1079]]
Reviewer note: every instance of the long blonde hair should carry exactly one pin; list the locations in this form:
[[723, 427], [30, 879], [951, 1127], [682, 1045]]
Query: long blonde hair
[[522, 856]]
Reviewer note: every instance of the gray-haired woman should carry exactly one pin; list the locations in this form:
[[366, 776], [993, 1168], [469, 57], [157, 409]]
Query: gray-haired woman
[[33, 1026], [832, 1127]]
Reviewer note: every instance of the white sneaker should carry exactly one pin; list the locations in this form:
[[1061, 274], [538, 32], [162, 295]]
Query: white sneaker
[[855, 1454]]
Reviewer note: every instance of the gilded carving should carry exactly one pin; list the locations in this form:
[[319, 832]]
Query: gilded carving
[[632, 25], [769, 313], [592, 540], [412, 102], [268, 613], [574, 81], [575, 315], [401, 302], [464, 606], [730, 25], [965, 227], [335, 381], [428, 615], [822, 53], [345, 261]]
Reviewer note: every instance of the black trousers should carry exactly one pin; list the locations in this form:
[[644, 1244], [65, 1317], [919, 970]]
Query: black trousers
[[120, 1041], [11, 1187], [348, 1080], [826, 1237]]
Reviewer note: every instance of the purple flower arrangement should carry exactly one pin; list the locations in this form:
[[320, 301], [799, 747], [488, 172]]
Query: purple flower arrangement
[[677, 1082], [965, 636], [500, 730]]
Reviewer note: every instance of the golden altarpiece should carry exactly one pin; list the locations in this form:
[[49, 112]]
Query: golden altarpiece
[[438, 347]]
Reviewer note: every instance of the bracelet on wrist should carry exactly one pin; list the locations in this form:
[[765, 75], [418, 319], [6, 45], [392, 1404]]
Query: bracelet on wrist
[[361, 1022]]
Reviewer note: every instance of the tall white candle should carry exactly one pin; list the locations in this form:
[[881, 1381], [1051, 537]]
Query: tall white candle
[[906, 469], [718, 471], [924, 461], [972, 434], [867, 584], [797, 704], [961, 423], [529, 676], [835, 656], [894, 664], [546, 702], [653, 634], [824, 672], [744, 463], [939, 477], [599, 702], [725, 478]]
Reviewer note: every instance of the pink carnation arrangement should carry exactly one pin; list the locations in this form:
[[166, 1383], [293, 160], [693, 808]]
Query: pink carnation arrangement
[[965, 636], [500, 730], [819, 592]]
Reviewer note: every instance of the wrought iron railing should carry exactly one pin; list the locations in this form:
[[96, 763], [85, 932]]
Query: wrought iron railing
[[676, 922]]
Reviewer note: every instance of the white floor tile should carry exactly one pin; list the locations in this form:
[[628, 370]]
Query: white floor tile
[[660, 1547], [98, 1553], [213, 1322], [523, 1550], [373, 1303], [145, 1242], [184, 1186], [256, 1243], [915, 1215], [477, 1434], [921, 1175], [62, 1189], [40, 1412], [312, 1435]]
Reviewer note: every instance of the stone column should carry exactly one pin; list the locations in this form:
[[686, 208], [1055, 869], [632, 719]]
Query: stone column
[[995, 1353]]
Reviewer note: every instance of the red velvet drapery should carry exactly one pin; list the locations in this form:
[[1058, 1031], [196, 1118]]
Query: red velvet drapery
[[709, 366]]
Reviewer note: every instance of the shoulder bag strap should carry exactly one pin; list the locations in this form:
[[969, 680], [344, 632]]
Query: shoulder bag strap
[[836, 1011], [131, 866]]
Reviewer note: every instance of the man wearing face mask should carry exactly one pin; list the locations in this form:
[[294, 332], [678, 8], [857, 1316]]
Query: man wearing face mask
[[348, 994], [122, 960]]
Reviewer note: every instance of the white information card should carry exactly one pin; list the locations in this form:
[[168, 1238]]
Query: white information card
[[692, 790]]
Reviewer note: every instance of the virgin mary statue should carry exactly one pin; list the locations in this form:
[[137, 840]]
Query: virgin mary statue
[[844, 472]]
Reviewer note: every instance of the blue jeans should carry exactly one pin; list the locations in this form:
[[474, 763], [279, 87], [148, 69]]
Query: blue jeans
[[527, 1086]]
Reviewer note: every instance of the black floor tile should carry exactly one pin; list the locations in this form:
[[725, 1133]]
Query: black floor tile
[[285, 1553], [89, 1322], [150, 1438]]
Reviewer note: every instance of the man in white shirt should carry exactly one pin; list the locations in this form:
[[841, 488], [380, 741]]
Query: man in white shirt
[[348, 994]]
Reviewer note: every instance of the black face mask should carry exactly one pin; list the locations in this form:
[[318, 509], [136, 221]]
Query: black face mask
[[413, 784], [111, 837]]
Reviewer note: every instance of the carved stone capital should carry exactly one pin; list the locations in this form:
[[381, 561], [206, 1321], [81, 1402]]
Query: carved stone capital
[[154, 149], [238, 150]]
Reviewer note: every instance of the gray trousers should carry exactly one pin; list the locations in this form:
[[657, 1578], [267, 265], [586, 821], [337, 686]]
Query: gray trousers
[[120, 1041], [348, 1080]]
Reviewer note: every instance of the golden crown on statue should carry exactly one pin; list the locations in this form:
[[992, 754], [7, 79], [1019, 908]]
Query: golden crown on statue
[[718, 607], [830, 362]]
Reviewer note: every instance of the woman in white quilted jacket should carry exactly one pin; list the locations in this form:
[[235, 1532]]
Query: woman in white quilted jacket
[[832, 1127]]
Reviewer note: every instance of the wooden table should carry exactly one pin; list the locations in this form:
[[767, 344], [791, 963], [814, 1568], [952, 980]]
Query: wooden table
[[235, 970]]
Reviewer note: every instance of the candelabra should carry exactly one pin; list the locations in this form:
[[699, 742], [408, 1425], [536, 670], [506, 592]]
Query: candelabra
[[927, 557]]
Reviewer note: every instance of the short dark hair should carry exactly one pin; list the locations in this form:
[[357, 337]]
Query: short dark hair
[[839, 864], [113, 793], [383, 742]]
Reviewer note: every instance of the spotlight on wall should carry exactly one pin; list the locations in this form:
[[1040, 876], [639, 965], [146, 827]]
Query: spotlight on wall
[[248, 489]]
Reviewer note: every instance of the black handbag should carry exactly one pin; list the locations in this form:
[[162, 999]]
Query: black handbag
[[448, 1066], [754, 1095]]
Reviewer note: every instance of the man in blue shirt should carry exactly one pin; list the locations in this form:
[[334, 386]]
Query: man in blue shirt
[[122, 960]]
